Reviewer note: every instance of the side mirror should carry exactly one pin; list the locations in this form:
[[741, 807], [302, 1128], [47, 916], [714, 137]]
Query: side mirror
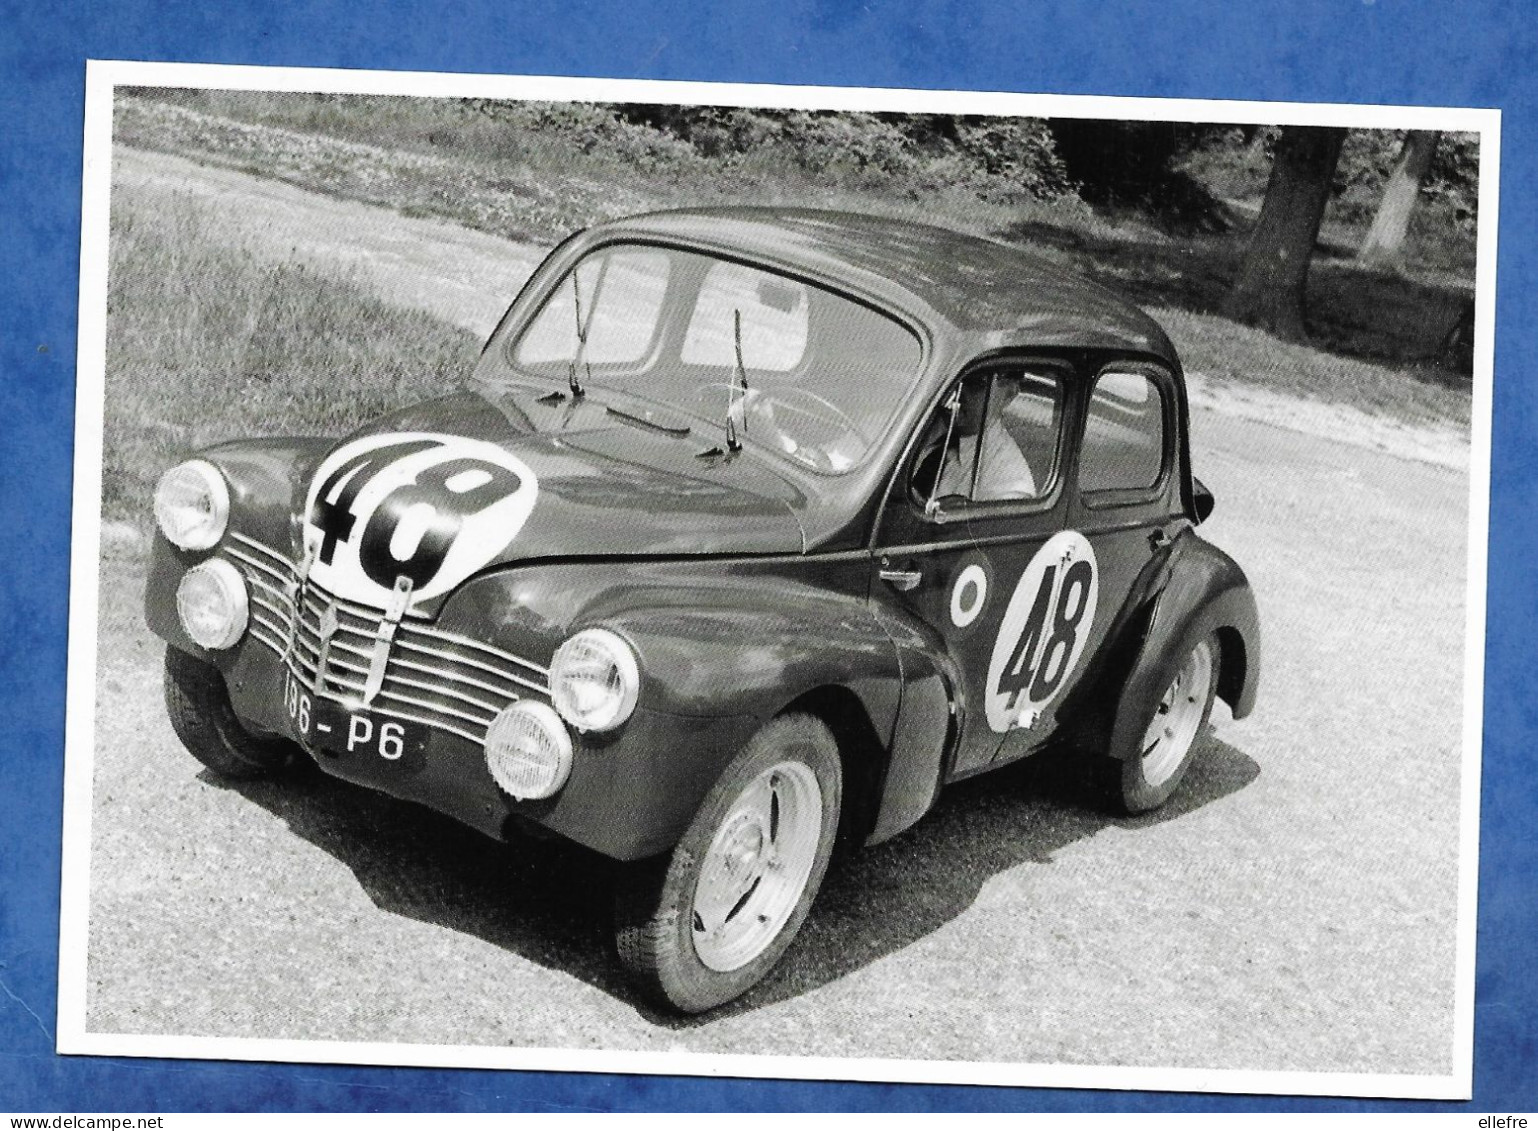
[[1202, 499]]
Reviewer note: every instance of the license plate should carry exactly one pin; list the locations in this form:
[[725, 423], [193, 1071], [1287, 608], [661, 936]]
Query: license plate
[[334, 726]]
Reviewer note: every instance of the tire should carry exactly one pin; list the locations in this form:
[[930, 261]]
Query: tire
[[199, 705], [704, 926], [1158, 740]]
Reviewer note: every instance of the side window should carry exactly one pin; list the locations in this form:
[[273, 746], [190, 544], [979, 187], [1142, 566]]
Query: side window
[[995, 440], [1019, 436], [1124, 439]]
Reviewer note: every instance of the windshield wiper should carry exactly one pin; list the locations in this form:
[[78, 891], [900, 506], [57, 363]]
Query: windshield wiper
[[737, 396]]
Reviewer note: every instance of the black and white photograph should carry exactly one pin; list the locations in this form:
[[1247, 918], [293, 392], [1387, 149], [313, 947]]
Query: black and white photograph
[[778, 581]]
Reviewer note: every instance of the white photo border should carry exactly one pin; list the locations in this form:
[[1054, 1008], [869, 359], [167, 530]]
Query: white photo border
[[102, 80]]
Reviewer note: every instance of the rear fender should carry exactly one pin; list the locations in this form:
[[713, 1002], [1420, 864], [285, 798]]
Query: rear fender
[[1208, 593], [1193, 589]]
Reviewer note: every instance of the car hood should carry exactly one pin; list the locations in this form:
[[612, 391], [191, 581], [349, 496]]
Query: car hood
[[444, 490]]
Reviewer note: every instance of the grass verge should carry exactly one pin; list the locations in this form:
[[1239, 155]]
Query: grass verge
[[207, 342], [563, 169]]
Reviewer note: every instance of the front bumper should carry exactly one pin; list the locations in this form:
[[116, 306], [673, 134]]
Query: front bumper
[[631, 791]]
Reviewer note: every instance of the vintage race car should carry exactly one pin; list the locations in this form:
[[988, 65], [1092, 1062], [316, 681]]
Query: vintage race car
[[751, 531]]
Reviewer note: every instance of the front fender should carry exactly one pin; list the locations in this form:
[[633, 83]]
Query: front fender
[[722, 646], [261, 475], [754, 659]]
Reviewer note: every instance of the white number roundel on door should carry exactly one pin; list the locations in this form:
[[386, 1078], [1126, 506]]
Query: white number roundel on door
[[434, 509], [1045, 627]]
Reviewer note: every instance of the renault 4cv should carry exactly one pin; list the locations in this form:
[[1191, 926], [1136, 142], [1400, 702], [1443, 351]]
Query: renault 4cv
[[751, 530]]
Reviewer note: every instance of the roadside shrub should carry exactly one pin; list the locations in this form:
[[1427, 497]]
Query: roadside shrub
[[581, 127], [1454, 178], [996, 157], [1018, 150]]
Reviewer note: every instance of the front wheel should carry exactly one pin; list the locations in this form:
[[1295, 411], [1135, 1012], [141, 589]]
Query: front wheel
[[198, 703], [709, 925], [1166, 745]]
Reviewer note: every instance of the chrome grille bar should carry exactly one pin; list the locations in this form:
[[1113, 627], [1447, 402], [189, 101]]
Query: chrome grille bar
[[438, 679]]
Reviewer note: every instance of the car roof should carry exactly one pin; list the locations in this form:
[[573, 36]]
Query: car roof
[[1008, 295]]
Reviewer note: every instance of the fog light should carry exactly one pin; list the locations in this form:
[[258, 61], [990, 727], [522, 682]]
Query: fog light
[[528, 751], [213, 605]]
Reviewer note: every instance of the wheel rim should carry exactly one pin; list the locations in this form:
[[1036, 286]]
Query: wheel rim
[[757, 866], [1178, 717]]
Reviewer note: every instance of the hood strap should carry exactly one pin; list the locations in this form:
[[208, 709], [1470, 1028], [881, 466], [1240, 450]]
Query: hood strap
[[384, 636]]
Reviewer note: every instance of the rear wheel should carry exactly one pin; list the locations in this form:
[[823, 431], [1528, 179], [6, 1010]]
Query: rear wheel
[[198, 703], [707, 925], [1166, 732]]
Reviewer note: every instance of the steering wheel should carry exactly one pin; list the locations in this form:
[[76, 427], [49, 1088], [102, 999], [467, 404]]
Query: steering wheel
[[764, 403], [783, 398]]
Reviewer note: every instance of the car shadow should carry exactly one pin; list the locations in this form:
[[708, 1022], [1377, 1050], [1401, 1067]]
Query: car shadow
[[550, 902], [878, 901]]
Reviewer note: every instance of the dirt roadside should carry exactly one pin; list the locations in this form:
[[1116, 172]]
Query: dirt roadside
[[468, 278]]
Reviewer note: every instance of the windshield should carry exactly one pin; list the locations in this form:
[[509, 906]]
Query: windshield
[[807, 374]]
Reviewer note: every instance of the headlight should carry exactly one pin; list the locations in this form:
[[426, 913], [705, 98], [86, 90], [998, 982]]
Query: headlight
[[594, 680], [211, 600], [192, 505], [528, 751]]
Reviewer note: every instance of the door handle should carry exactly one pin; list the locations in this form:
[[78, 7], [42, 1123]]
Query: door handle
[[901, 579]]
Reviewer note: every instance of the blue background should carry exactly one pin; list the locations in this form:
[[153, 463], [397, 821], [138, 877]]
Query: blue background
[[1376, 51]]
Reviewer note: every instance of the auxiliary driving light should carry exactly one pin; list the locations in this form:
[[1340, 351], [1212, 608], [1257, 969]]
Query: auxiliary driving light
[[213, 604], [528, 751]]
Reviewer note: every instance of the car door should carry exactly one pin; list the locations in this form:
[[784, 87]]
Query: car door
[[973, 510], [1126, 494]]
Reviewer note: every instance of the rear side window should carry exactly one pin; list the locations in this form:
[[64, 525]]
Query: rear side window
[[1124, 437]]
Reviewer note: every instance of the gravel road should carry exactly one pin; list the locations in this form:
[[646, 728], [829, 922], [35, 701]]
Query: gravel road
[[1292, 909]]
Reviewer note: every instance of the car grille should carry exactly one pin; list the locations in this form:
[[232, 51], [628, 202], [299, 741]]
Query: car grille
[[437, 678]]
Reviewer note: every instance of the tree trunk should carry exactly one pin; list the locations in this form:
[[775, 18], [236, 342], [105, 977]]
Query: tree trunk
[[1270, 289], [1385, 240]]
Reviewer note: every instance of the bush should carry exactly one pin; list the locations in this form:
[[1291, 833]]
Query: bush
[[1020, 150], [995, 157]]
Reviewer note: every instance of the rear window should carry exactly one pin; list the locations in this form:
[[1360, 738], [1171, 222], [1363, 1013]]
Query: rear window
[[1124, 437]]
